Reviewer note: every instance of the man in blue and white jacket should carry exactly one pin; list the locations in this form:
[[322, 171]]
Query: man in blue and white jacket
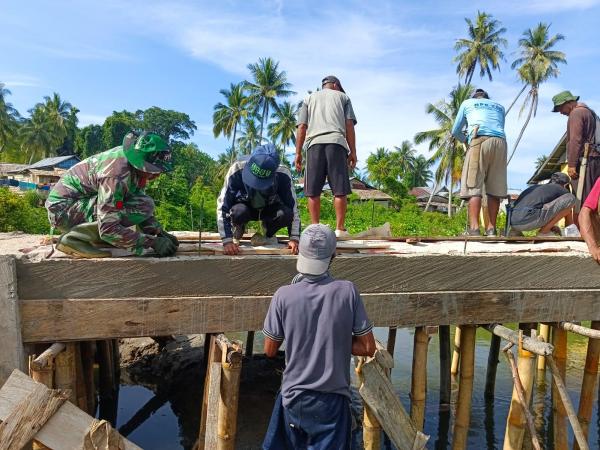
[[258, 188]]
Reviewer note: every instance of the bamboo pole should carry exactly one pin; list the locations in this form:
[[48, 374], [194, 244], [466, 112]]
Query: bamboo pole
[[65, 371], [46, 358], [456, 351], [490, 376], [583, 331], [371, 430], [465, 387], [418, 390], [231, 369], [528, 343], [545, 335], [509, 441], [588, 386], [41, 369], [559, 339], [518, 415], [445, 361], [557, 378]]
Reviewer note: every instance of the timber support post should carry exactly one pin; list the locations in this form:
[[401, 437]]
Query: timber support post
[[545, 336], [588, 384], [218, 423], [465, 386], [418, 390], [13, 354], [445, 377], [490, 375]]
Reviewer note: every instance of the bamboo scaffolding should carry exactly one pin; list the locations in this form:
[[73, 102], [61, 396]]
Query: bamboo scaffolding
[[559, 368], [557, 378], [519, 415], [445, 361], [490, 375], [418, 391], [231, 368], [588, 385], [456, 351], [545, 337], [581, 330], [465, 387], [530, 344]]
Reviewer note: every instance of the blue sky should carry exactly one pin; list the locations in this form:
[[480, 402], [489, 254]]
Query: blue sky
[[392, 58]]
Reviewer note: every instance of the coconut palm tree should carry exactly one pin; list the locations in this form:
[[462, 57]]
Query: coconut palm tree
[[57, 113], [537, 63], [267, 85], [540, 161], [38, 136], [421, 174], [249, 137], [447, 150], [482, 47], [9, 118], [283, 128], [402, 160], [378, 166], [227, 117]]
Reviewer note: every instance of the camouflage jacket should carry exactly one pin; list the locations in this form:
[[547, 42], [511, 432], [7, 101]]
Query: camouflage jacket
[[106, 188]]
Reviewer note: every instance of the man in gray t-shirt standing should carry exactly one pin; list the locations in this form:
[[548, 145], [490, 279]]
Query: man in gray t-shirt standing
[[326, 123], [323, 322]]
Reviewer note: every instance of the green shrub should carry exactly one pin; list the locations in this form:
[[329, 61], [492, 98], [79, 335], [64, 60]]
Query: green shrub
[[17, 213]]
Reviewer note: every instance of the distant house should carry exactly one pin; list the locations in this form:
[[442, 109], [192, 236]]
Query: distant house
[[556, 162], [362, 190], [40, 175], [439, 200]]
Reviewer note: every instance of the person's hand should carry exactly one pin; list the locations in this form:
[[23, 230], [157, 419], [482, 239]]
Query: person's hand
[[163, 246], [352, 160], [231, 249], [572, 172], [293, 246], [596, 254], [298, 163]]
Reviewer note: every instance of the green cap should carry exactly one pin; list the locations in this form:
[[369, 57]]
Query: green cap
[[148, 153], [561, 98]]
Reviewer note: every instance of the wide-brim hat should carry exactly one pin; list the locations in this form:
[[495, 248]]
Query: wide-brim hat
[[561, 98], [149, 153], [261, 167], [317, 246]]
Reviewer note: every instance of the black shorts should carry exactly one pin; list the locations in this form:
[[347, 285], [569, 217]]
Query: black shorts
[[326, 161]]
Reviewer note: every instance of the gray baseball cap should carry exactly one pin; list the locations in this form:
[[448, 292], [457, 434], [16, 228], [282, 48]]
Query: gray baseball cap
[[333, 80], [317, 246]]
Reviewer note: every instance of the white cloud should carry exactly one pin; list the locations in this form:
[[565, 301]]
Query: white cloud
[[15, 80]]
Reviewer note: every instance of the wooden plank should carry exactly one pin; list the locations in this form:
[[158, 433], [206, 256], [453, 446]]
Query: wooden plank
[[378, 393], [262, 275], [62, 320], [12, 355], [212, 407], [66, 428], [29, 416]]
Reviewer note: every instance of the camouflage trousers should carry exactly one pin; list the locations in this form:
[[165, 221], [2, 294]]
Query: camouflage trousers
[[65, 214]]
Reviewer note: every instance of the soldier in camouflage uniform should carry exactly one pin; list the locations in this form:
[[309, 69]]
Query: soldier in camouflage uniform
[[98, 200]]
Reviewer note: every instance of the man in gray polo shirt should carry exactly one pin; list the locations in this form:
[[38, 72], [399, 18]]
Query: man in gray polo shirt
[[323, 322], [326, 122]]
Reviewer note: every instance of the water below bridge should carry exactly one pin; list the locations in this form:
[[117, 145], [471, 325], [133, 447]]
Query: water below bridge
[[170, 416]]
